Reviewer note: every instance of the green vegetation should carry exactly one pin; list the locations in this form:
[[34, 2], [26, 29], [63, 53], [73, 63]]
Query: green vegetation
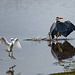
[[64, 73]]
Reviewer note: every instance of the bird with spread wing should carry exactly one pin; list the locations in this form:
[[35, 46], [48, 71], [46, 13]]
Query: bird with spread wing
[[14, 42], [61, 28]]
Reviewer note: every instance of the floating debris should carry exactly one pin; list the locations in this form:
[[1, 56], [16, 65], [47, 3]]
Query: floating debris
[[46, 39]]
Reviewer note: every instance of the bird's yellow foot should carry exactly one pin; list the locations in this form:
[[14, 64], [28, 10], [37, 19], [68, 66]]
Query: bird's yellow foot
[[13, 57]]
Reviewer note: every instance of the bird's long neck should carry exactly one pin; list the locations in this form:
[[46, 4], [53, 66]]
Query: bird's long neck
[[57, 19]]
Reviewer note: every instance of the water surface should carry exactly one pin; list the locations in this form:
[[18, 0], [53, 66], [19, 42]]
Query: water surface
[[33, 18]]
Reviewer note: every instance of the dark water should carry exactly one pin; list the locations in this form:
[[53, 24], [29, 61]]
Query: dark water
[[33, 18]]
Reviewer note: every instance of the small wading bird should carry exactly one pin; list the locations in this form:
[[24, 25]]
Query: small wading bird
[[10, 45], [61, 28]]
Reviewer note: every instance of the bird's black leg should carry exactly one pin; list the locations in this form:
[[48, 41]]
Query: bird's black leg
[[12, 57], [12, 54], [52, 37], [9, 54]]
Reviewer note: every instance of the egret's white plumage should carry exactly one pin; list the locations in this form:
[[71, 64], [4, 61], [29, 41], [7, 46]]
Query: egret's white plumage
[[14, 42]]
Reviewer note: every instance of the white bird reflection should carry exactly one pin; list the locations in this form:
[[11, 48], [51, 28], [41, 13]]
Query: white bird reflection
[[11, 70]]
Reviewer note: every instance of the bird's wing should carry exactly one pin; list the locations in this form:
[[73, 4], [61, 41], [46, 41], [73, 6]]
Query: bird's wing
[[4, 41], [61, 27], [69, 24], [65, 28], [17, 43]]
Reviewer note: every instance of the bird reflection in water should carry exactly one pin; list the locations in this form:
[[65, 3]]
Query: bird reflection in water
[[62, 50], [11, 70]]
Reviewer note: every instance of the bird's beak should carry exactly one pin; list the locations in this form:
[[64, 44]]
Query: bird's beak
[[60, 18]]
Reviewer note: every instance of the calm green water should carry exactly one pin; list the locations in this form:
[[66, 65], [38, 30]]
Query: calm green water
[[24, 19]]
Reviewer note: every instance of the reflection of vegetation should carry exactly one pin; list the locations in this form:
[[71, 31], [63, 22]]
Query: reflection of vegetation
[[65, 73], [69, 64]]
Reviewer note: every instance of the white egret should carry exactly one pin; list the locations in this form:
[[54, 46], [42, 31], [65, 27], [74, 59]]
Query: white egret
[[14, 42]]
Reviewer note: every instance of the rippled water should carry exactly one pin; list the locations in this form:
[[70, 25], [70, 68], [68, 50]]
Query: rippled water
[[33, 18]]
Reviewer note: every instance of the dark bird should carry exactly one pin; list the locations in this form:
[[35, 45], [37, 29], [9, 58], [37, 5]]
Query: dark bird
[[61, 28]]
